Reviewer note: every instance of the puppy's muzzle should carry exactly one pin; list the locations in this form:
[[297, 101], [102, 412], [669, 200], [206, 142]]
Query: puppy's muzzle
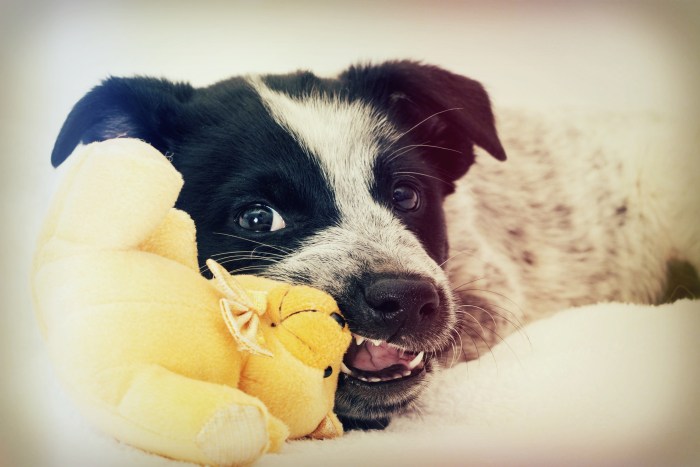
[[402, 304], [398, 308]]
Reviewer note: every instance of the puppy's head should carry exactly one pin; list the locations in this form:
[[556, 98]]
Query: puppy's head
[[334, 183]]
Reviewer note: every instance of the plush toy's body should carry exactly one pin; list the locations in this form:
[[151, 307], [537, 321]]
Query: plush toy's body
[[211, 371]]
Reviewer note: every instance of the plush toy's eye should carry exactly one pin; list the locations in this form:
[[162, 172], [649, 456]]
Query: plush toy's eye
[[327, 372], [260, 218], [338, 319], [405, 197]]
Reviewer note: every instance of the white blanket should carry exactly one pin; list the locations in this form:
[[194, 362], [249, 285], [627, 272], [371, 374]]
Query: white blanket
[[609, 383]]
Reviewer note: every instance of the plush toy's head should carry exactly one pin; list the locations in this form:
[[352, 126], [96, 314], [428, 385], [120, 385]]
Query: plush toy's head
[[296, 338]]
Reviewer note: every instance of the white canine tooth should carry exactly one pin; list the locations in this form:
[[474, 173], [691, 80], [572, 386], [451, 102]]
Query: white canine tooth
[[406, 372], [398, 375], [414, 363], [359, 339], [361, 378], [345, 369], [374, 379], [376, 342]]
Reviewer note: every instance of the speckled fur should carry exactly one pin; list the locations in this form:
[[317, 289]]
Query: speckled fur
[[587, 209]]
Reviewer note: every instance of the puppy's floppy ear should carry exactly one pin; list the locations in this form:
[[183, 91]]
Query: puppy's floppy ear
[[141, 107], [443, 108]]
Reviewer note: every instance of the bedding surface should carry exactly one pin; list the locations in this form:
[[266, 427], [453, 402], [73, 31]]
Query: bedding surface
[[604, 384]]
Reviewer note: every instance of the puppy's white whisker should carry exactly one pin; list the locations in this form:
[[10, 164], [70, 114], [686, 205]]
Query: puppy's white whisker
[[244, 257], [247, 252], [476, 349], [420, 174], [228, 258], [484, 310], [461, 347], [505, 342], [493, 331], [257, 269], [278, 248], [499, 294], [488, 346], [472, 255], [463, 312], [426, 119], [236, 260], [456, 255], [399, 152], [404, 149], [518, 325]]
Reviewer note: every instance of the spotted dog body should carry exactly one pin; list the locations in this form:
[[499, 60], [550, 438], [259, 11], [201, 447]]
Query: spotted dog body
[[340, 184]]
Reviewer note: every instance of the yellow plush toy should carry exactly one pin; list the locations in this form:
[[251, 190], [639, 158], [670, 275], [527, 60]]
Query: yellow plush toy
[[210, 371]]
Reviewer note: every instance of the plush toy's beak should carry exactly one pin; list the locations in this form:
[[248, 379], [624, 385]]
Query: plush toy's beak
[[330, 427]]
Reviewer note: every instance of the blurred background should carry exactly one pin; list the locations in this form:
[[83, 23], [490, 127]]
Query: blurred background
[[629, 56]]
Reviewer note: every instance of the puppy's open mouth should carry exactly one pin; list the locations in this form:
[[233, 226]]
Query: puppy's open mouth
[[377, 361]]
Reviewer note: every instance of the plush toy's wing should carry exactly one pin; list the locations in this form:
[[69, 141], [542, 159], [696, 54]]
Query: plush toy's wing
[[240, 310], [244, 327], [330, 427]]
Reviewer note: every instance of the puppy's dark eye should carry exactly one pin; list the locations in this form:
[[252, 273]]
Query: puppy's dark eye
[[327, 372], [260, 218], [405, 197], [338, 319]]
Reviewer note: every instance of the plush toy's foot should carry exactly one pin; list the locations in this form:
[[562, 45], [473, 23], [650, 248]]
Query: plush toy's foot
[[245, 425], [183, 418]]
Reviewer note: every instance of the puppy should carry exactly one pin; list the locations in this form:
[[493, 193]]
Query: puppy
[[345, 184]]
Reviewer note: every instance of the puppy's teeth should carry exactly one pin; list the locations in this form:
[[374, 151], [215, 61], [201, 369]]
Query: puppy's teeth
[[374, 379], [359, 339], [376, 342], [362, 378], [414, 363], [406, 373], [398, 375], [345, 369]]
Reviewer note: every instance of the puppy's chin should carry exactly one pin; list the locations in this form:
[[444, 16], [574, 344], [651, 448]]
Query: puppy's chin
[[371, 404]]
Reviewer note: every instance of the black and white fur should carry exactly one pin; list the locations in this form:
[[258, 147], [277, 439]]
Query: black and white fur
[[560, 225]]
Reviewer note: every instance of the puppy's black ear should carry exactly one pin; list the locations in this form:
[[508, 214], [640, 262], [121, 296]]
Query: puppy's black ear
[[441, 107], [144, 108]]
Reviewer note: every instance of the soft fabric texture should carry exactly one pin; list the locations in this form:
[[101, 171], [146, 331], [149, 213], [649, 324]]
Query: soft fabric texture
[[214, 372], [607, 384]]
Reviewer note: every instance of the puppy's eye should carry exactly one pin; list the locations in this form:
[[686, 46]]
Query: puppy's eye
[[260, 218], [327, 372], [405, 197]]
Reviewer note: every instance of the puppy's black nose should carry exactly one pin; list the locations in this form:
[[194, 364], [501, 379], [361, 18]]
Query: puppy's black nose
[[401, 301]]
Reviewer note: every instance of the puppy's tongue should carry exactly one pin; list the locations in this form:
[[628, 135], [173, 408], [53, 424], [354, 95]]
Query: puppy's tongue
[[370, 357]]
